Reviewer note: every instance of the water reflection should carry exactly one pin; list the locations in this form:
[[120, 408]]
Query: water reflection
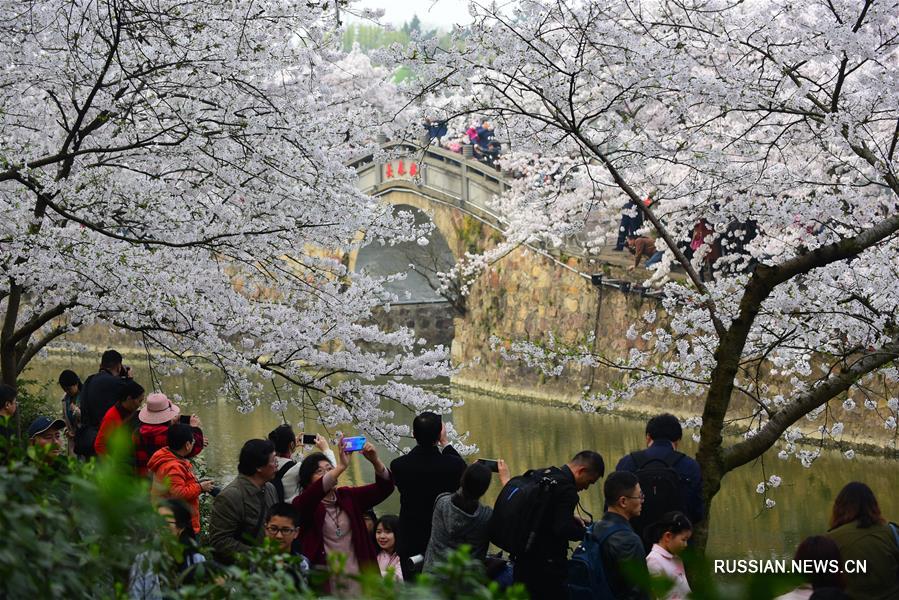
[[530, 435]]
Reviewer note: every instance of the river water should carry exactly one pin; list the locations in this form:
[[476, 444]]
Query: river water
[[530, 435]]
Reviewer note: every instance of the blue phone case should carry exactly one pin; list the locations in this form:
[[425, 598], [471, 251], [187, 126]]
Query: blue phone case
[[353, 444]]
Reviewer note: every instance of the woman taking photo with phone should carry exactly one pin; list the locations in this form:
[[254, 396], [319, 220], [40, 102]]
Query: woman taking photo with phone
[[332, 517]]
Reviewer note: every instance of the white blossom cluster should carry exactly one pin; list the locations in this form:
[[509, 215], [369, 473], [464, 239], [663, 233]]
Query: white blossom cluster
[[771, 123], [179, 170]]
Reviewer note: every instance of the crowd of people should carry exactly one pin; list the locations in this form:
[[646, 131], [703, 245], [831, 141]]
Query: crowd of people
[[653, 500], [479, 136], [731, 243]]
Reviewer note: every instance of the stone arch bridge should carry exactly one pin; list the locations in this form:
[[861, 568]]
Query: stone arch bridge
[[447, 189], [531, 293]]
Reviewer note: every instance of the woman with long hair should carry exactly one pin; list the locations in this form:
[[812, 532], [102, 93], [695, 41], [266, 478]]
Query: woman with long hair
[[864, 537], [460, 518]]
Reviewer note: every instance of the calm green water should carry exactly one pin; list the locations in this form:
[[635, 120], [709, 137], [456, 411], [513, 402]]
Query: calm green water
[[529, 435]]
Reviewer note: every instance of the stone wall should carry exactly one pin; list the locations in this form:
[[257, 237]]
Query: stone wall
[[432, 321], [527, 296]]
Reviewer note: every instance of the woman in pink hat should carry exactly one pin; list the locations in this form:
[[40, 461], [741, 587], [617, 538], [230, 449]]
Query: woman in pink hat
[[157, 415]]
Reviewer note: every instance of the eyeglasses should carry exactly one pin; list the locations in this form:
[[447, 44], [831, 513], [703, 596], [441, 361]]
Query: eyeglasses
[[642, 496], [323, 470], [273, 530]]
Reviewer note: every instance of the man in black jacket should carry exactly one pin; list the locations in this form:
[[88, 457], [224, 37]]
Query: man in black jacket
[[99, 394], [544, 569], [421, 476]]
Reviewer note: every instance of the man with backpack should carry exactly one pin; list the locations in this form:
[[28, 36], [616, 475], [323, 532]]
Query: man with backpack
[[612, 550], [671, 480], [534, 519]]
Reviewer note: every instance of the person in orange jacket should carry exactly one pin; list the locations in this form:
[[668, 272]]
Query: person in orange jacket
[[173, 474], [123, 412]]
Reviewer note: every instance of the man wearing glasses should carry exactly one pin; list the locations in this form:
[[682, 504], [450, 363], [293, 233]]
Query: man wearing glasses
[[624, 501]]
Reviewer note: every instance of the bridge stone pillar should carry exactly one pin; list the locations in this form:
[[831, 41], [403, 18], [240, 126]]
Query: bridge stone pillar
[[463, 198]]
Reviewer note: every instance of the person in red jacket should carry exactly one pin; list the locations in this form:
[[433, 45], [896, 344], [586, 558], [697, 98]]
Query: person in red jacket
[[332, 517], [123, 412], [173, 474], [155, 418]]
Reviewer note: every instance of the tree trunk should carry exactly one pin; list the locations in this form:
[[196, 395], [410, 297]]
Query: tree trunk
[[712, 474]]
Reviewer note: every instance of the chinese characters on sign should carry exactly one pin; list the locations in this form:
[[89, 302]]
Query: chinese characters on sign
[[399, 170]]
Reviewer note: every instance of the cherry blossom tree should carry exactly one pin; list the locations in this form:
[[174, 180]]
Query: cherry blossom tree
[[774, 124], [177, 170]]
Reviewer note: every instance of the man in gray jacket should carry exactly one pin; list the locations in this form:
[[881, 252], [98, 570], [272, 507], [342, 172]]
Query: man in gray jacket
[[238, 511], [624, 501]]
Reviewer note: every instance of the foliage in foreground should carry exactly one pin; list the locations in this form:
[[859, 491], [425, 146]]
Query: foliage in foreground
[[75, 529]]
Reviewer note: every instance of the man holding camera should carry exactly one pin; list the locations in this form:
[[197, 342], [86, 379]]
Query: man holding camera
[[101, 391]]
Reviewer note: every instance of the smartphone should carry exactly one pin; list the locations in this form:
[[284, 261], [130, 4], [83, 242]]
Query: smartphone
[[353, 444], [184, 419], [490, 463], [308, 438]]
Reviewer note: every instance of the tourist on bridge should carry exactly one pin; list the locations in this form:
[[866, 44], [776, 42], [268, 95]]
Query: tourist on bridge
[[544, 568], [99, 394], [624, 501], [239, 509], [671, 479], [640, 246], [631, 221], [862, 534], [122, 414], [431, 468]]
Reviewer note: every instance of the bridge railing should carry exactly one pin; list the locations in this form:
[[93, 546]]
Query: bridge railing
[[464, 182]]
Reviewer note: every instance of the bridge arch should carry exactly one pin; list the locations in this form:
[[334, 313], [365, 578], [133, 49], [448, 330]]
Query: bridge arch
[[427, 256]]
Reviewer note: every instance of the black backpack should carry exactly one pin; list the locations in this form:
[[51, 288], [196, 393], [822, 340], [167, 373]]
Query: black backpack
[[661, 486], [519, 510], [277, 481]]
